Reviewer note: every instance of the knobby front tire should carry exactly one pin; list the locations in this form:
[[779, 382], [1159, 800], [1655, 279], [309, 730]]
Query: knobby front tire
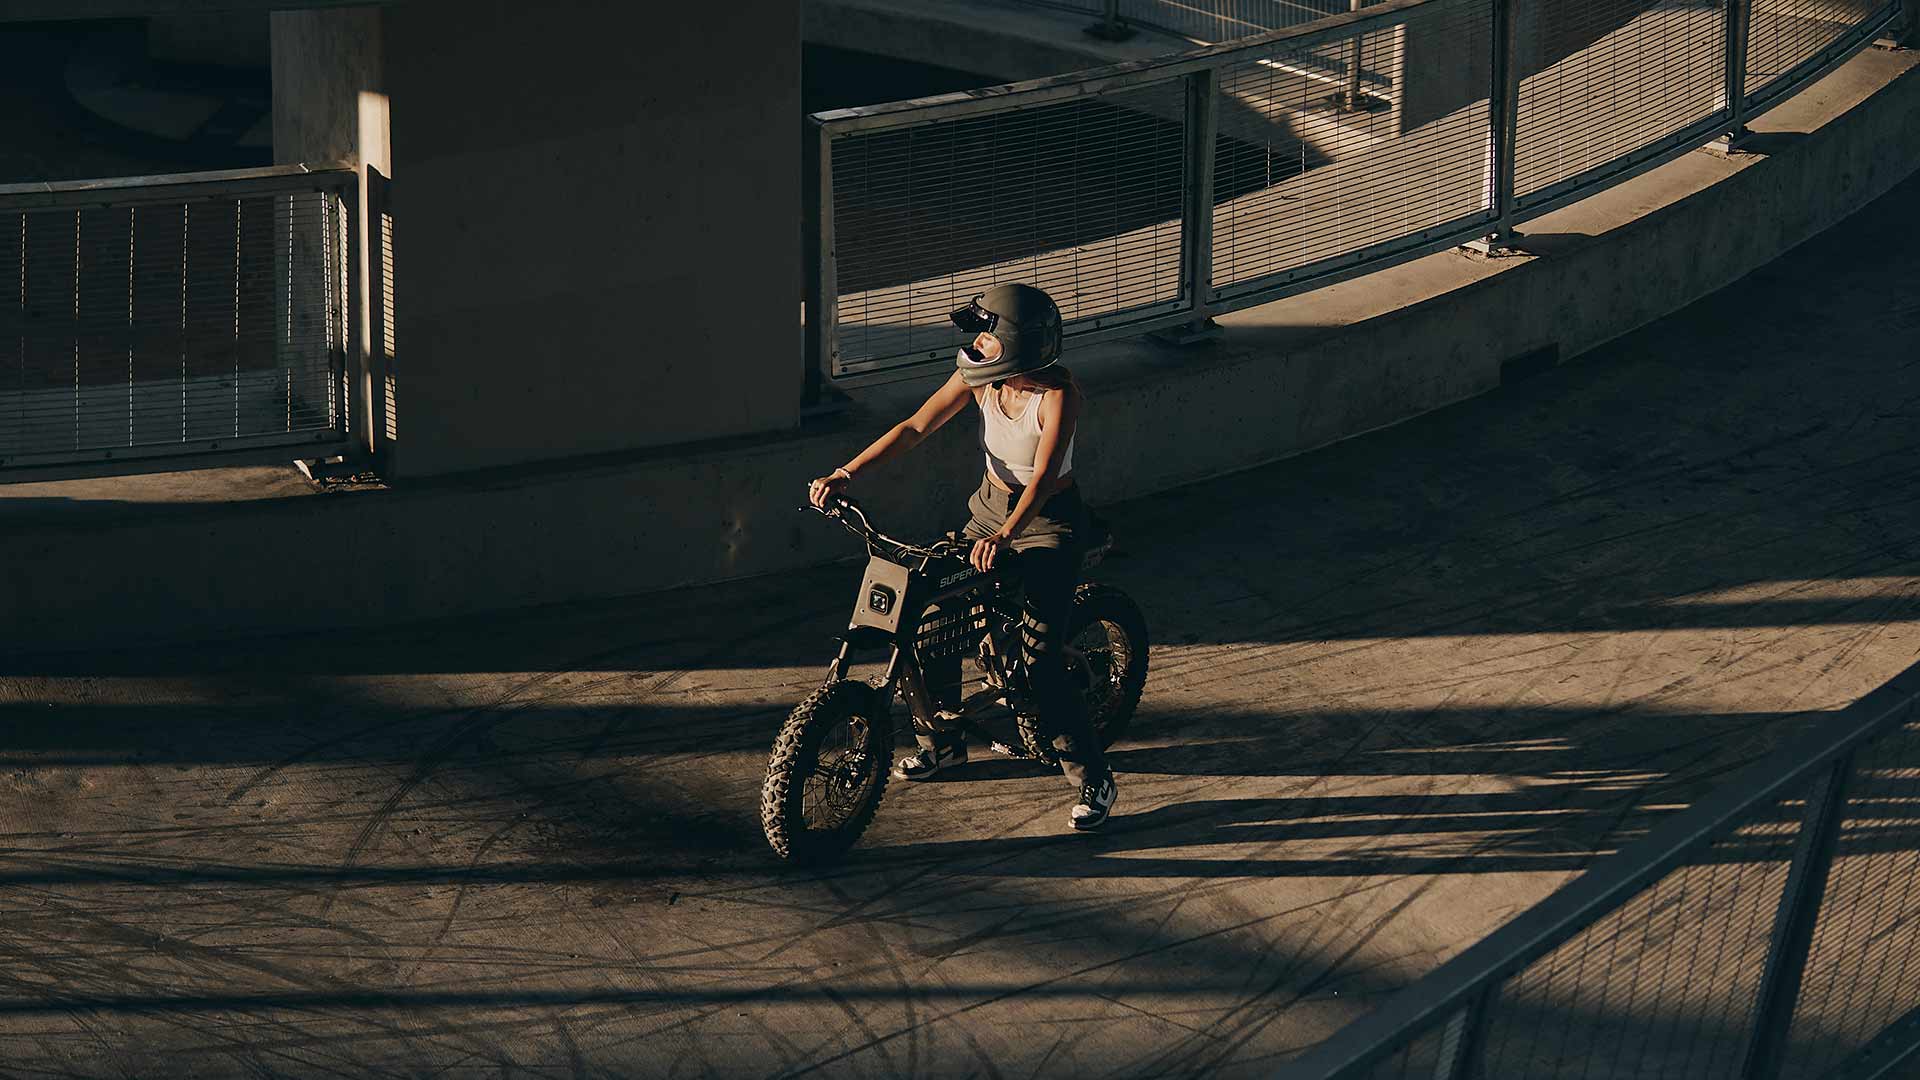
[[828, 771]]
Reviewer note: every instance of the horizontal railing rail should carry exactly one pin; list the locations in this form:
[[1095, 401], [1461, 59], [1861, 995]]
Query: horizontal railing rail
[[175, 321], [1214, 21], [1821, 794], [1158, 193], [1095, 81]]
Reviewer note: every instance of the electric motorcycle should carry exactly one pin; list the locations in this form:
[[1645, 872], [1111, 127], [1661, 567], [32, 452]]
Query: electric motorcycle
[[920, 604]]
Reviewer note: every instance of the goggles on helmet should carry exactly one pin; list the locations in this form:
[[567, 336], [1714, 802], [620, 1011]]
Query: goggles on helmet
[[975, 319]]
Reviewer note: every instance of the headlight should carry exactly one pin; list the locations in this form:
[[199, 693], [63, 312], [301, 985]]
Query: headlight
[[880, 599]]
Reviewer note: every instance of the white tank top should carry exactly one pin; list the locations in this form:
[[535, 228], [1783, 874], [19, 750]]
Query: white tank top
[[1011, 444]]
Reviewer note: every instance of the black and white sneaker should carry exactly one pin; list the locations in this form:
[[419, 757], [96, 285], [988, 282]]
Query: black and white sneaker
[[1095, 801], [923, 763]]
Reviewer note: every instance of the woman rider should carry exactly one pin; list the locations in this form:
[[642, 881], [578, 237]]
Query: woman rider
[[1027, 503]]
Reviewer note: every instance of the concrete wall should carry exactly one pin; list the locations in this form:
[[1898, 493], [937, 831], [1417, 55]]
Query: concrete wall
[[330, 104], [234, 39], [43, 10], [597, 227], [1286, 378], [1015, 44]]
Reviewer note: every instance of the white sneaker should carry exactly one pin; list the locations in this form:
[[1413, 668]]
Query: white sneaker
[[1095, 801], [923, 763]]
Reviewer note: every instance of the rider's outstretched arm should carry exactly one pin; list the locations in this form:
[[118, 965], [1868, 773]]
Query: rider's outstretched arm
[[941, 406]]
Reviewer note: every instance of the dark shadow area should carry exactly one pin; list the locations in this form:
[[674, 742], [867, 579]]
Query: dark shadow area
[[1402, 687], [833, 78], [50, 137], [1771, 142], [1585, 776], [1630, 998]]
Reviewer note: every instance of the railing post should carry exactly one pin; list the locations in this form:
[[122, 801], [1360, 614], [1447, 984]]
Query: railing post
[[1794, 921], [1465, 1034], [377, 237], [1353, 72], [817, 256], [1503, 123], [1900, 33], [362, 399], [1739, 24], [1196, 212], [1353, 99], [1110, 28]]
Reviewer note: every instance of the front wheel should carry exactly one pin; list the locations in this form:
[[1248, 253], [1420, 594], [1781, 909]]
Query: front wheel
[[1106, 657], [827, 773]]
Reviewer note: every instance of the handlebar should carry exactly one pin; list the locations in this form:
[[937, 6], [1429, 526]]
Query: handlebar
[[855, 520]]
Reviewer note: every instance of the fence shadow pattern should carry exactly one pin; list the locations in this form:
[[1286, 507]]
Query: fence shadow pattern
[[1770, 931], [1326, 140]]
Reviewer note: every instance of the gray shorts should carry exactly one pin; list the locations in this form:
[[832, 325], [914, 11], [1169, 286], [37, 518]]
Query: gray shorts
[[1061, 522]]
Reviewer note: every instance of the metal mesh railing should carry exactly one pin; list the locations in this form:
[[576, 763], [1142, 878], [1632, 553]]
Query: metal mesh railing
[[1863, 967], [1334, 141], [1664, 986], [1315, 167], [1226, 20], [1080, 197], [172, 317], [1577, 116], [1787, 38], [1772, 930]]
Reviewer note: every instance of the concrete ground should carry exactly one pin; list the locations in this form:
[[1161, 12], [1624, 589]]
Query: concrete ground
[[1401, 688]]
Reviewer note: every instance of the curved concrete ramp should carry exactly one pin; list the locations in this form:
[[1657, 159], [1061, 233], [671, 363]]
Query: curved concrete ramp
[[1402, 688]]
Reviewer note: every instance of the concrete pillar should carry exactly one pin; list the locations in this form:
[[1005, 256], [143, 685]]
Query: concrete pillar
[[330, 104], [602, 226]]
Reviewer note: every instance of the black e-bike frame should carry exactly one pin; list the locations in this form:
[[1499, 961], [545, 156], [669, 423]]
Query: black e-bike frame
[[904, 585]]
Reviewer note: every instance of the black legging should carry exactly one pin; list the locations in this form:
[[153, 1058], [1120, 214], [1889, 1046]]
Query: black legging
[[1047, 578]]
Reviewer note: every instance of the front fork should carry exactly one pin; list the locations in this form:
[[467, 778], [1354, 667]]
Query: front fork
[[902, 673]]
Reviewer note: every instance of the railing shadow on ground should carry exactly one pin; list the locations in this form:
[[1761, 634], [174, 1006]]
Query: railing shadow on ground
[[1688, 478], [542, 772], [1809, 946]]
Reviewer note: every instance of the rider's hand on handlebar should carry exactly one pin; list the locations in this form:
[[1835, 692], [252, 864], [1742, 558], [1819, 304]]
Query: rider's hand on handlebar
[[830, 486], [987, 550]]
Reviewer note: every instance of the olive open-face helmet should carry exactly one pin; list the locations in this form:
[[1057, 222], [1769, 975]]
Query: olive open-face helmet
[[1026, 322]]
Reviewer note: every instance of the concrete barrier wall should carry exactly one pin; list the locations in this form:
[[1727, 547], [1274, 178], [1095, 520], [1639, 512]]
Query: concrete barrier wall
[[1285, 379], [602, 204]]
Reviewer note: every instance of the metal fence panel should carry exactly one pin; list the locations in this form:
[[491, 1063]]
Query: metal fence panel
[[1082, 198], [1788, 39], [132, 328], [1310, 178], [1227, 20], [1863, 970], [1418, 1060], [1338, 146], [1767, 931], [1663, 987], [1604, 81]]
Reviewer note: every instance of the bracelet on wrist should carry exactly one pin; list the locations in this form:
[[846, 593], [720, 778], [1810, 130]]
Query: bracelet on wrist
[[841, 471]]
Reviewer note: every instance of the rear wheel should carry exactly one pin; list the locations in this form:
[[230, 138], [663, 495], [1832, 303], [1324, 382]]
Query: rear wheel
[[1106, 657], [827, 773]]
